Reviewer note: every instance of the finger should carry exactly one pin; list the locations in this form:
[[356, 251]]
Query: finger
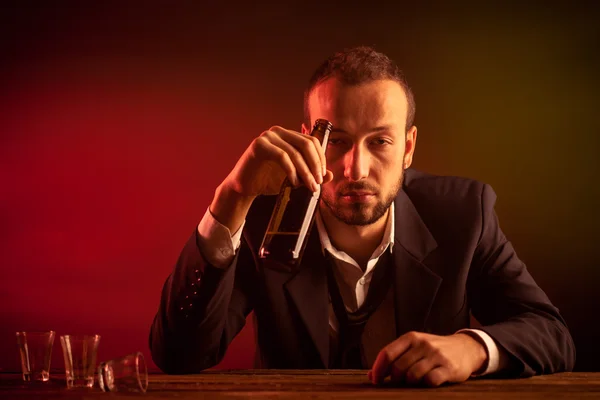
[[436, 376], [418, 370], [413, 355], [269, 151], [321, 152], [328, 177], [309, 147], [383, 363], [299, 160], [316, 141]]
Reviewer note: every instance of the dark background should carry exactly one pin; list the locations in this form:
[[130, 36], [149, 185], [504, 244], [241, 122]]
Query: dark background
[[119, 119]]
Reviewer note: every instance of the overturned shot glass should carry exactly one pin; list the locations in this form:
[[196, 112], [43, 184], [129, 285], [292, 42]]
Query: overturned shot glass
[[80, 359], [125, 374], [36, 351]]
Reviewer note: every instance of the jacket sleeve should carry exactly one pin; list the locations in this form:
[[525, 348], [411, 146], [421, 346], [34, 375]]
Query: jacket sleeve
[[512, 308], [202, 308]]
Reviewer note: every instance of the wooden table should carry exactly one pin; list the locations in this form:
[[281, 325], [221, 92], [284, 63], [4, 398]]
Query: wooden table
[[315, 384]]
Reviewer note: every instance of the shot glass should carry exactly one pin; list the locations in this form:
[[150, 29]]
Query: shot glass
[[80, 359], [125, 374], [36, 352]]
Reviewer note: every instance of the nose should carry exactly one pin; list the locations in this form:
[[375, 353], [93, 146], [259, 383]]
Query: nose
[[356, 163]]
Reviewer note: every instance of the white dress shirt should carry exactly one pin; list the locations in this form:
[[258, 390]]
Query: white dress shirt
[[218, 247]]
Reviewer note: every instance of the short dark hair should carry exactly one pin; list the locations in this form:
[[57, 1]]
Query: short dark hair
[[358, 65]]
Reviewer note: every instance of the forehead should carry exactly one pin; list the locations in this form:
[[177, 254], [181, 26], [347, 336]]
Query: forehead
[[358, 107]]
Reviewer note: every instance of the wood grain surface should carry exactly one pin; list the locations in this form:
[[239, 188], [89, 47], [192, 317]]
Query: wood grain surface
[[315, 384]]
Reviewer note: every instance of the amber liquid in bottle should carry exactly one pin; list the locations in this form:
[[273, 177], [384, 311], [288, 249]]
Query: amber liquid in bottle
[[293, 215]]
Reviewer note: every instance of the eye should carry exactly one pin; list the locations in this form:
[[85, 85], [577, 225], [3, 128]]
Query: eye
[[380, 142], [334, 141]]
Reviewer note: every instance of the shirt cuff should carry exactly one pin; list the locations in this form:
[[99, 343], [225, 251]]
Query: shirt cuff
[[493, 361], [217, 244]]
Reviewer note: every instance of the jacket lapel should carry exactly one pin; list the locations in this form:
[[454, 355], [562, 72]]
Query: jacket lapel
[[308, 290], [416, 284]]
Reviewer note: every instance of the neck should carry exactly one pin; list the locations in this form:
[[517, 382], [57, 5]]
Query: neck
[[359, 242]]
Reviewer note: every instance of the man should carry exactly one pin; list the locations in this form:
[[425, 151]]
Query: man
[[395, 263]]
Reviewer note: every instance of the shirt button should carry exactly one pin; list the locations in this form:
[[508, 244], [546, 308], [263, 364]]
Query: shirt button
[[361, 281]]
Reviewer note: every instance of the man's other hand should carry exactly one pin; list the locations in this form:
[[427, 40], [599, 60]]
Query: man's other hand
[[421, 358]]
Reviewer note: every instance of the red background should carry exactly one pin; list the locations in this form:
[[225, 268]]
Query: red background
[[119, 119]]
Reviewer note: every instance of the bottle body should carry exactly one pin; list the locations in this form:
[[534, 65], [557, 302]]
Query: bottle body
[[293, 215]]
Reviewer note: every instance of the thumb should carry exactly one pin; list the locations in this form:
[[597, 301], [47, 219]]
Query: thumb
[[328, 177]]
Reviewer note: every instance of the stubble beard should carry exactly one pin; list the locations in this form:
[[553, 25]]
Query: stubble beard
[[358, 213]]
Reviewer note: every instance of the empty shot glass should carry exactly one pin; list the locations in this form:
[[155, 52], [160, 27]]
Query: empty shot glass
[[36, 351], [125, 374], [80, 359]]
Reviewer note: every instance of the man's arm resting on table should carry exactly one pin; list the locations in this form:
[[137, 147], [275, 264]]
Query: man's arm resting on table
[[512, 308], [497, 359], [204, 301]]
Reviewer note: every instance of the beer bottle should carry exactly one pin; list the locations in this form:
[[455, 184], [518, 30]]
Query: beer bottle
[[293, 215]]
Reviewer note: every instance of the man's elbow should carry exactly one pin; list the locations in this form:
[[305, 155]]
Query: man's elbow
[[180, 363], [175, 358], [562, 359], [569, 352]]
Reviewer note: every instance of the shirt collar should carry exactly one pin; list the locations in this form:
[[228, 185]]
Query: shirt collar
[[387, 240]]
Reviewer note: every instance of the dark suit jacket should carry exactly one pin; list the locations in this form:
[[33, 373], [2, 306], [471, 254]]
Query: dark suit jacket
[[451, 258]]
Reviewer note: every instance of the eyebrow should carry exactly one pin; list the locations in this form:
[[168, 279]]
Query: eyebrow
[[374, 130]]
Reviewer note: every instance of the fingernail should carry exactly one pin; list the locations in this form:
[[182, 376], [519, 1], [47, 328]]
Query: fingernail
[[319, 179], [315, 186], [324, 170]]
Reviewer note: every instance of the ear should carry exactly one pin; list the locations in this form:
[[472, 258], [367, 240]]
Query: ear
[[409, 147]]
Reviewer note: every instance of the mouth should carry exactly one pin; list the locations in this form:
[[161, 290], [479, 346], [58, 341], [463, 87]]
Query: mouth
[[357, 196]]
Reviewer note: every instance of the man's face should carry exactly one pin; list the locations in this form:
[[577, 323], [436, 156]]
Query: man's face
[[368, 149]]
